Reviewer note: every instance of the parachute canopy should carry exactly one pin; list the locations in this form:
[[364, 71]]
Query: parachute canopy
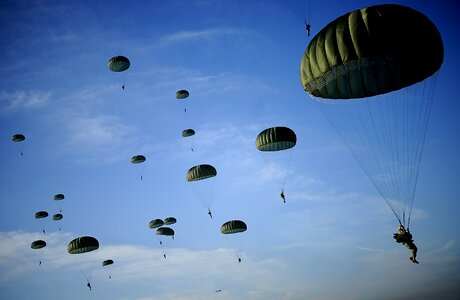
[[118, 63], [107, 262], [276, 139], [182, 94], [18, 137], [170, 221], [156, 223], [58, 197], [201, 172], [234, 226], [165, 231], [188, 132], [371, 51], [38, 244], [57, 217], [41, 214], [82, 245], [137, 159]]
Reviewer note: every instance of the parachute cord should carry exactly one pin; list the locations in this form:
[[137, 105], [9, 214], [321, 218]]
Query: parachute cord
[[291, 154]]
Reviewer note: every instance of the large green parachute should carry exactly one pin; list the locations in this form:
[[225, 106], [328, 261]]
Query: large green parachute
[[276, 139], [188, 132], [57, 217], [58, 197], [118, 63], [38, 244], [234, 226], [156, 223], [373, 73], [18, 137], [170, 221], [107, 262], [41, 214], [201, 172], [82, 245], [137, 159], [371, 51], [182, 94], [165, 231]]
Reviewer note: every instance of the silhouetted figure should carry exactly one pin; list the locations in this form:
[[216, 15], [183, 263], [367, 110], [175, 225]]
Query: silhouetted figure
[[22, 154], [282, 196], [239, 259], [89, 285], [44, 232], [405, 237], [164, 255], [110, 277], [307, 27], [40, 263], [218, 291], [209, 213], [123, 87]]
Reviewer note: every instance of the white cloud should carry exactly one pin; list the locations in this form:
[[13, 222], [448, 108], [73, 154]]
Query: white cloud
[[23, 99]]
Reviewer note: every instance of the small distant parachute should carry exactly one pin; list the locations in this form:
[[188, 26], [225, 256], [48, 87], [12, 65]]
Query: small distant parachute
[[188, 132], [41, 214], [38, 244], [82, 245], [18, 138], [156, 223], [182, 94], [118, 64], [58, 197], [57, 217], [137, 159], [167, 231], [201, 172], [107, 262], [276, 139], [234, 226], [170, 221]]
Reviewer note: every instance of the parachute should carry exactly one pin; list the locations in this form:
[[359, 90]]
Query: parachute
[[167, 231], [107, 262], [18, 138], [234, 226], [182, 94], [58, 197], [82, 245], [41, 214], [137, 159], [38, 244], [188, 132], [170, 221], [201, 172], [156, 223], [276, 139], [373, 73], [57, 217], [118, 64]]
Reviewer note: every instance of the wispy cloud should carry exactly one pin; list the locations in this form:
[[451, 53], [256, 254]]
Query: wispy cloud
[[21, 99]]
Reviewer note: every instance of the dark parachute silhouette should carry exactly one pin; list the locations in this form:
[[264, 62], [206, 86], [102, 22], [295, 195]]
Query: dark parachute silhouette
[[233, 227], [137, 159], [204, 190], [119, 64], [182, 94], [170, 221], [188, 132], [82, 245], [57, 217], [38, 244], [58, 197], [167, 231], [41, 214], [107, 262], [276, 139], [373, 73], [18, 138], [201, 172], [156, 223]]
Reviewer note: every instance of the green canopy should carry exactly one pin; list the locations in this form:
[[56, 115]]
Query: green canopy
[[41, 214], [18, 137], [118, 63], [234, 226], [38, 244], [201, 172], [57, 217], [371, 51], [137, 159], [276, 139], [188, 132], [107, 262], [182, 94], [156, 223], [165, 231], [58, 197], [170, 221], [82, 245]]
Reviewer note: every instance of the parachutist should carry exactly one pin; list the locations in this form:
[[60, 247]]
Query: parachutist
[[142, 177], [405, 237], [308, 27], [218, 291], [40, 263], [89, 285], [22, 154], [123, 87], [44, 231], [283, 196], [209, 213], [161, 243], [239, 259], [164, 255], [110, 277]]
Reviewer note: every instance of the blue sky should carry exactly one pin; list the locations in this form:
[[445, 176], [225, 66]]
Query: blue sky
[[240, 62]]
